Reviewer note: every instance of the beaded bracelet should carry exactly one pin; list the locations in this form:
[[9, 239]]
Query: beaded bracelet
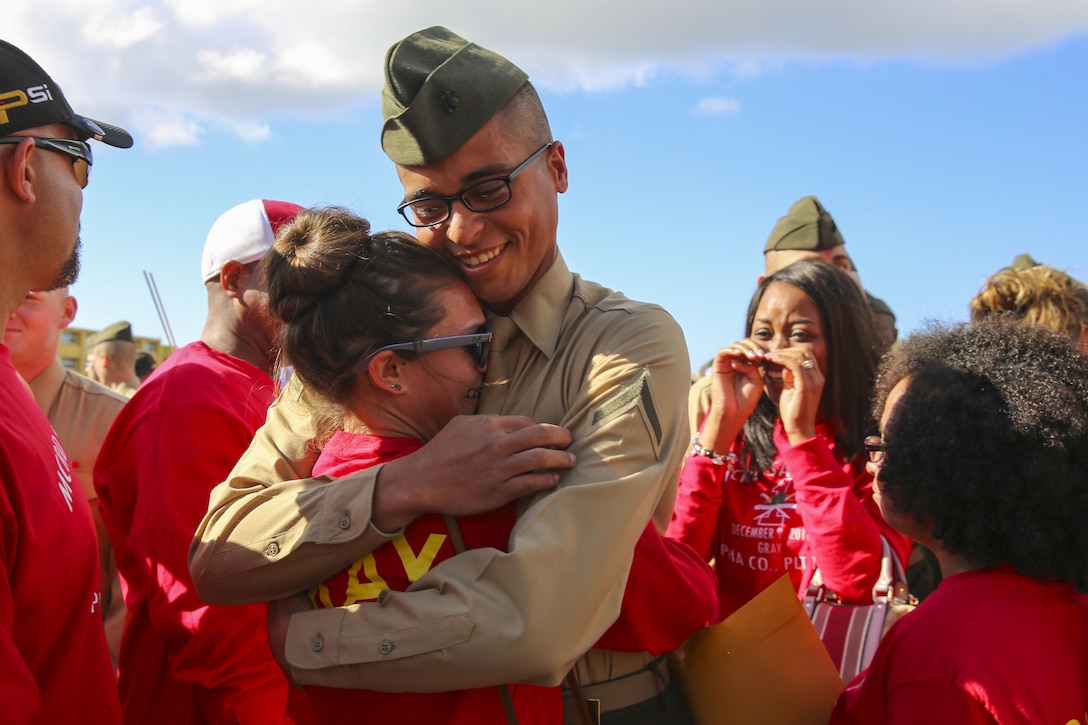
[[717, 459]]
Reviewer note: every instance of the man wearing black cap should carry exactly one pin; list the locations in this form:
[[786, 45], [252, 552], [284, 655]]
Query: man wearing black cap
[[481, 175], [56, 667]]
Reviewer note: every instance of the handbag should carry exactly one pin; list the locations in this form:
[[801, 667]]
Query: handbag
[[763, 665], [852, 632]]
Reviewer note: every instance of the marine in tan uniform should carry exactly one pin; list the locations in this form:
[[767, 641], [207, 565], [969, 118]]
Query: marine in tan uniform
[[112, 360], [612, 371], [80, 411]]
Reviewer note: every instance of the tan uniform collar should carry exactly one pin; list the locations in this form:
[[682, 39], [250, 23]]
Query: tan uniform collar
[[46, 386], [540, 315]]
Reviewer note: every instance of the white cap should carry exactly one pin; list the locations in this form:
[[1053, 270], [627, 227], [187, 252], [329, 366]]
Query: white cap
[[244, 233]]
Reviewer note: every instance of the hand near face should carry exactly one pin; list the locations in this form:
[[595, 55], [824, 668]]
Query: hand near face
[[738, 381], [802, 386]]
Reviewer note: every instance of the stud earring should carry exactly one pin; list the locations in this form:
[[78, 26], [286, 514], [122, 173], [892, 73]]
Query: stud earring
[[394, 386]]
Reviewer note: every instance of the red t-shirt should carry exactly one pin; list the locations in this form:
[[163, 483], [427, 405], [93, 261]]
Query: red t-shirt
[[811, 508], [54, 665], [395, 566], [177, 438], [988, 646]]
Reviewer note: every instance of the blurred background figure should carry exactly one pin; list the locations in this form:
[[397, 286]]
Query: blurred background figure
[[883, 321], [112, 358], [80, 411], [145, 365], [1038, 294]]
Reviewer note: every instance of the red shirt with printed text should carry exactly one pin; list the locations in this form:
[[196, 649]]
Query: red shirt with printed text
[[810, 508], [54, 665]]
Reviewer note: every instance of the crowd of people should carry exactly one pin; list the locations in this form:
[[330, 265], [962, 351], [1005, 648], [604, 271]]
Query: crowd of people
[[440, 477]]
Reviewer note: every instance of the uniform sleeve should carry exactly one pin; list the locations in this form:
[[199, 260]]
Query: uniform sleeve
[[698, 503], [269, 531], [670, 594], [486, 617], [842, 521], [173, 457]]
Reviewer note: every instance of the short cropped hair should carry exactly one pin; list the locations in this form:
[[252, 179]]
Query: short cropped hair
[[989, 444]]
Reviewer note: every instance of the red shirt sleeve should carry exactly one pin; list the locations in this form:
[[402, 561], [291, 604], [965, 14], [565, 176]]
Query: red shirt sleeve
[[698, 503], [843, 523], [670, 594]]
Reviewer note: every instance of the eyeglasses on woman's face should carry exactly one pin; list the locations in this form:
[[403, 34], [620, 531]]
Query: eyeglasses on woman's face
[[875, 447]]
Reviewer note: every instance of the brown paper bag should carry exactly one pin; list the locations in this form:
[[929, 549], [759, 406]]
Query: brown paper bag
[[764, 665]]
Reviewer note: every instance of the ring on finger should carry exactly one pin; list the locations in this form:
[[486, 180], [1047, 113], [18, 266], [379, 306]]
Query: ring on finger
[[807, 363]]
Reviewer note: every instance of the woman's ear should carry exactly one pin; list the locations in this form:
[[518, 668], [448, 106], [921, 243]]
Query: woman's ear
[[386, 371]]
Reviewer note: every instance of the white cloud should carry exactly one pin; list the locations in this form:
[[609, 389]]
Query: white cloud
[[156, 133], [717, 106], [237, 64], [121, 30], [241, 64]]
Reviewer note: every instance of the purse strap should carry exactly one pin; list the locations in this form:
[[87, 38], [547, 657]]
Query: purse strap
[[458, 541], [891, 583]]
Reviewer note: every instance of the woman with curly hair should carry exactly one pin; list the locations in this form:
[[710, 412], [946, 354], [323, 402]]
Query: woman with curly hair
[[984, 458], [776, 480]]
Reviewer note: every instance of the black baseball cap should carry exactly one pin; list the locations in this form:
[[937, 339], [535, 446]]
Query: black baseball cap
[[29, 98]]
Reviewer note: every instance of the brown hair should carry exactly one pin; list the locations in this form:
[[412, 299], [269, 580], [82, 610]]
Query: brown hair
[[343, 292]]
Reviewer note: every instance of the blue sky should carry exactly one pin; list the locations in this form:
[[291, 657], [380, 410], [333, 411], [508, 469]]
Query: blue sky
[[945, 139]]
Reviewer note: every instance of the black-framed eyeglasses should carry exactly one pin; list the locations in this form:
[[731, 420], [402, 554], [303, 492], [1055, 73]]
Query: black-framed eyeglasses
[[875, 447], [77, 151], [478, 342], [482, 196]]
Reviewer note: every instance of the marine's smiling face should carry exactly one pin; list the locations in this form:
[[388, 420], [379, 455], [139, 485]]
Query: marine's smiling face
[[504, 251]]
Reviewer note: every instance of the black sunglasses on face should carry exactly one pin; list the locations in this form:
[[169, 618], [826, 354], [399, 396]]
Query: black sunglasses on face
[[78, 151], [480, 342]]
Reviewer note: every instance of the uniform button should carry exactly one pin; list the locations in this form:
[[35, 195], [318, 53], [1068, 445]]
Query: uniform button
[[345, 521], [386, 647], [273, 549], [318, 644]]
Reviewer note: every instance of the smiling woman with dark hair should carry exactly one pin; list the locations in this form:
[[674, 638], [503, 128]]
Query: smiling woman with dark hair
[[984, 459], [776, 480]]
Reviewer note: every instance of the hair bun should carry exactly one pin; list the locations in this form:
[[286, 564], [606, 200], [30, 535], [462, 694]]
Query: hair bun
[[311, 256]]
